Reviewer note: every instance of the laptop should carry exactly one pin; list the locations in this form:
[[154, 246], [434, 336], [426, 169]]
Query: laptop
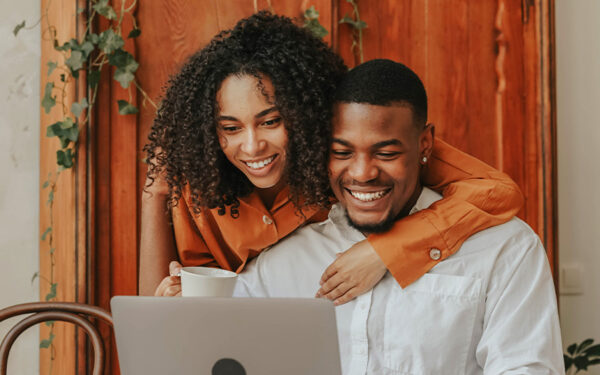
[[225, 336]]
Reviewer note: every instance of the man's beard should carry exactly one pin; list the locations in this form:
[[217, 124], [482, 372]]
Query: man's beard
[[381, 227]]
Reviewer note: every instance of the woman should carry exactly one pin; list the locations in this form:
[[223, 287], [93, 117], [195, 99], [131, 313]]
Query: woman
[[239, 150]]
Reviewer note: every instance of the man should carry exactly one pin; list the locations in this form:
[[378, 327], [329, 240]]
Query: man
[[490, 308]]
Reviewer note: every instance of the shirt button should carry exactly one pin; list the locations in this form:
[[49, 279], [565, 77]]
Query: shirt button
[[435, 254], [267, 220]]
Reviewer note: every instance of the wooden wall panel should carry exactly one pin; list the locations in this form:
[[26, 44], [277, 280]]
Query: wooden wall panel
[[68, 219], [486, 67]]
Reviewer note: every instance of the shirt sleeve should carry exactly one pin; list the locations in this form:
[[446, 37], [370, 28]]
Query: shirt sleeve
[[191, 246], [521, 332], [475, 197]]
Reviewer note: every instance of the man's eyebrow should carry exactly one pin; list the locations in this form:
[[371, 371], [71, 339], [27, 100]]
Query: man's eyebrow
[[389, 142], [258, 115], [342, 142]]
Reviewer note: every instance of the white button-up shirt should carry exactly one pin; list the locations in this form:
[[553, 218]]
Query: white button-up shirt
[[489, 308]]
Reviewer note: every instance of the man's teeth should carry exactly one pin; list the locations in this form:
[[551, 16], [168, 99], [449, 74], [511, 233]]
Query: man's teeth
[[367, 197], [260, 164]]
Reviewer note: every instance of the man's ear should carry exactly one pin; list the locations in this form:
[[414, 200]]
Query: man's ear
[[426, 140]]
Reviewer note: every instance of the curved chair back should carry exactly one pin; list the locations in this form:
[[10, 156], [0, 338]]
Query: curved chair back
[[75, 313]]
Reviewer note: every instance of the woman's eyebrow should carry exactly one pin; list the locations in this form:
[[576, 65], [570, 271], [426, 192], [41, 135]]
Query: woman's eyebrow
[[226, 118], [265, 112]]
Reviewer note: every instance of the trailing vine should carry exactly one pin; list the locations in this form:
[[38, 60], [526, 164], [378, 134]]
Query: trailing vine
[[311, 22], [357, 30], [91, 53]]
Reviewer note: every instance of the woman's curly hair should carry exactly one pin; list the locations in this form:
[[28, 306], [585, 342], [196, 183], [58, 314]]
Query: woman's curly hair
[[183, 143]]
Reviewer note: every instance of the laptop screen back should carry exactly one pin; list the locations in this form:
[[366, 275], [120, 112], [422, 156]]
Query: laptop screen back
[[219, 336]]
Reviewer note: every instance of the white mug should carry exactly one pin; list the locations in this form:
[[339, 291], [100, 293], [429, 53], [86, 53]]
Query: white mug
[[207, 282]]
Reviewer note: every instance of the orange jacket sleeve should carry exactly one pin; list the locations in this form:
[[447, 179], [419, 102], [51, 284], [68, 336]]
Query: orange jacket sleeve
[[475, 197]]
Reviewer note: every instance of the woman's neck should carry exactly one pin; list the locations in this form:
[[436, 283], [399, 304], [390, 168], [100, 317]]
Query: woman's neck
[[268, 195]]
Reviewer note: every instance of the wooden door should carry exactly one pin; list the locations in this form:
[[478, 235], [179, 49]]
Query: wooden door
[[487, 66]]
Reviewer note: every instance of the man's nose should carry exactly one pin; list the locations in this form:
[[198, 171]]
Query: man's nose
[[363, 169], [252, 143]]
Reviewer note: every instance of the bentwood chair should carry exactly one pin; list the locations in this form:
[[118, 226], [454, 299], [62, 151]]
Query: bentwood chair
[[76, 313]]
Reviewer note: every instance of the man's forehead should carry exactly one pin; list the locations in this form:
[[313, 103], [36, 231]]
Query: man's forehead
[[368, 119]]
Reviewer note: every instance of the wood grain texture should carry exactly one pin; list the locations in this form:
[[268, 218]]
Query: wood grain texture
[[66, 210]]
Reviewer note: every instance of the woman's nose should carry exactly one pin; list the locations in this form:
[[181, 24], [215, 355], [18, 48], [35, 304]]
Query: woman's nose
[[252, 143]]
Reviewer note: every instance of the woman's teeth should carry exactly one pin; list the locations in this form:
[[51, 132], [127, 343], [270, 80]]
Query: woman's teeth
[[368, 197], [260, 164]]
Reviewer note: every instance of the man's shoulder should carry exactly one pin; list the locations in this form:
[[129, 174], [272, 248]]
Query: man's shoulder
[[514, 236]]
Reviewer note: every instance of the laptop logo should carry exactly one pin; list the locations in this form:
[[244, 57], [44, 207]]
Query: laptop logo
[[228, 366]]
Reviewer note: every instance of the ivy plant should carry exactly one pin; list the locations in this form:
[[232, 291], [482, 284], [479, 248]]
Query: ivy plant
[[91, 53]]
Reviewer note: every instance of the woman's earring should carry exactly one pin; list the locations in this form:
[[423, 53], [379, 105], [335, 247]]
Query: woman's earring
[[424, 160]]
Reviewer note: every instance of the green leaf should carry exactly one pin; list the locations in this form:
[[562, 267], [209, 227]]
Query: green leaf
[[48, 101], [72, 45], [123, 77], [49, 323], [46, 232], [355, 24], [93, 38], [593, 351], [126, 108], [80, 10], [51, 66], [87, 47], [571, 349], [77, 108], [50, 198], [64, 158], [35, 276], [347, 19], [45, 184], [126, 67], [93, 78], [568, 361], [110, 41], [75, 61], [18, 28], [104, 9], [584, 344], [581, 363], [134, 33], [316, 28], [45, 344], [67, 131], [361, 25]]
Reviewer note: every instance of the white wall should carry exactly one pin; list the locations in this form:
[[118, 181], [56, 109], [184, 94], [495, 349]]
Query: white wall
[[578, 97], [19, 170]]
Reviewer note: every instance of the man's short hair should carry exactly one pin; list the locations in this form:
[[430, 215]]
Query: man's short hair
[[384, 82]]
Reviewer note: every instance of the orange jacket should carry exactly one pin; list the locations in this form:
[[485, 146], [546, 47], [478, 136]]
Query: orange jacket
[[476, 196]]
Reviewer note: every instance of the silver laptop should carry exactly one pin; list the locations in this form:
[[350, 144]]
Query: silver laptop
[[225, 336]]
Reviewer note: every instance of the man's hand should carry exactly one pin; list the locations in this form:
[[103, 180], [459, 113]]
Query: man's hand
[[171, 285], [353, 273]]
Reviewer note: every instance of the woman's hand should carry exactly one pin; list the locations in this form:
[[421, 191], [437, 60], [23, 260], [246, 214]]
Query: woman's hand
[[170, 286], [354, 272]]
